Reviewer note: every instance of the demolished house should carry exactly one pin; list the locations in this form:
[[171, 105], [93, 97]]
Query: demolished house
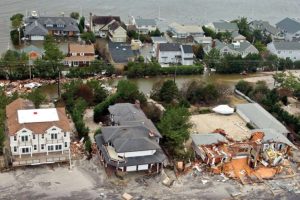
[[262, 156]]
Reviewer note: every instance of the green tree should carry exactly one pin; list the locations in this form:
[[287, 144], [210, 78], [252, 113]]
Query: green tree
[[244, 28], [213, 58], [16, 20], [75, 15], [37, 97], [198, 51], [231, 64], [174, 126], [260, 46], [52, 51], [88, 37], [81, 24], [244, 87], [209, 32], [129, 92], [168, 91], [15, 64]]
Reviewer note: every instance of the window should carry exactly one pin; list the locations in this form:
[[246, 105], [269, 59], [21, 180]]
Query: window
[[34, 147], [24, 138], [15, 138], [66, 144], [33, 136], [15, 149], [53, 136], [54, 129], [50, 148], [81, 54], [24, 131], [42, 146], [58, 147], [25, 150], [43, 136]]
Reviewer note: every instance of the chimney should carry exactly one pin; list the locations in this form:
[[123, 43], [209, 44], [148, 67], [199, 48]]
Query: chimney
[[91, 22]]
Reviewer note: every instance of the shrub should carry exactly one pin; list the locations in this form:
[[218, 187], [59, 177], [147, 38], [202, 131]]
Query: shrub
[[244, 87]]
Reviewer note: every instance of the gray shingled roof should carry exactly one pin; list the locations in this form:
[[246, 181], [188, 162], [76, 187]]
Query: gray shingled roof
[[158, 157], [273, 136], [223, 25], [289, 25], [264, 26], [129, 138], [282, 45], [207, 139], [35, 29], [159, 39], [187, 49], [121, 52], [70, 24], [243, 46], [260, 117], [169, 47], [130, 115], [145, 22]]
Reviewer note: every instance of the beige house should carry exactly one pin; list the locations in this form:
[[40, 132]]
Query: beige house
[[116, 32], [37, 136]]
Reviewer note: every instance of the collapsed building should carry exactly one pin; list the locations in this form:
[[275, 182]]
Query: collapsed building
[[263, 154]]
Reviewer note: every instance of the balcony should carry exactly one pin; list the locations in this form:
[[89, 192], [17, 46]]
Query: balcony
[[55, 141], [25, 143], [40, 158]]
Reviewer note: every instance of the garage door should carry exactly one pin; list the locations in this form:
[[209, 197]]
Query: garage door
[[34, 38], [130, 168]]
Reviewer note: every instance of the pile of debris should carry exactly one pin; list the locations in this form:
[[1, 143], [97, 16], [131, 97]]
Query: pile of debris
[[264, 156], [77, 150]]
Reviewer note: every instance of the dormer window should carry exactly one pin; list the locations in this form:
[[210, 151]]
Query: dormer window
[[60, 25], [81, 54], [49, 25], [54, 129]]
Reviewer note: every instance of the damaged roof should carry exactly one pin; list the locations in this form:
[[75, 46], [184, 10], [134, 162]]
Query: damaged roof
[[271, 135]]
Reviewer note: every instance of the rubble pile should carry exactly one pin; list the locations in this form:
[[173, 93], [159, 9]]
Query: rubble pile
[[77, 150], [249, 161]]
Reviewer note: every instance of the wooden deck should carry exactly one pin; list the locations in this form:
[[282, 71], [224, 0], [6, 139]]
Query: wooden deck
[[40, 158]]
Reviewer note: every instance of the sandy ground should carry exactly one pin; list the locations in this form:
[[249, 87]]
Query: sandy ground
[[89, 122], [233, 125], [87, 180], [268, 77]]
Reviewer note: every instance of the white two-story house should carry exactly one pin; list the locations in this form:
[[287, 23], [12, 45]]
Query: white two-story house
[[173, 53], [37, 136], [144, 26], [285, 49]]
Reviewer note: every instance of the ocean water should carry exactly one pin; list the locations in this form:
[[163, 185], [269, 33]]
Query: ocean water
[[183, 11]]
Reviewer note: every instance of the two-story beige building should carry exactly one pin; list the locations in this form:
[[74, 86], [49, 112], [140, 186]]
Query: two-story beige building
[[37, 136]]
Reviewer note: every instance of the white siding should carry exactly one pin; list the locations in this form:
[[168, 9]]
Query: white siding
[[137, 153], [142, 167], [292, 54], [131, 168], [37, 38], [39, 139]]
